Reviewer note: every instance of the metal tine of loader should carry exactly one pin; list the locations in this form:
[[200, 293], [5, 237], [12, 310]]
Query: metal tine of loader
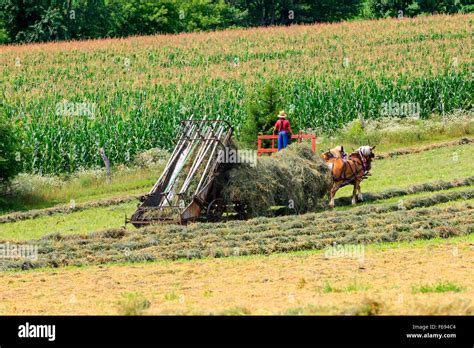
[[170, 190], [197, 163], [166, 176], [180, 161], [176, 150], [204, 174], [196, 159], [156, 196], [207, 141]]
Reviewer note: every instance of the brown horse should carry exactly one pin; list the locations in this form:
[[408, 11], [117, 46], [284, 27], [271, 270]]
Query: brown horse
[[350, 171]]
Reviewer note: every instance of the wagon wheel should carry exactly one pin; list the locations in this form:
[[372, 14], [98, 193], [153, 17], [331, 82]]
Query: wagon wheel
[[215, 209]]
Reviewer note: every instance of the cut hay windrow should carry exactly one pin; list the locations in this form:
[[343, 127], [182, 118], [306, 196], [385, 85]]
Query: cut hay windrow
[[65, 209], [398, 192], [256, 236], [411, 150], [368, 197], [407, 204]]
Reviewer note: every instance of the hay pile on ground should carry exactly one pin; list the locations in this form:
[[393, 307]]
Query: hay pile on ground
[[295, 178]]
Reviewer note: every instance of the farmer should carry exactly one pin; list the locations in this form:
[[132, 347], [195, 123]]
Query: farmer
[[282, 126]]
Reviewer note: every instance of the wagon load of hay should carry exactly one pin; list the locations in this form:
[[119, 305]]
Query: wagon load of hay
[[295, 178]]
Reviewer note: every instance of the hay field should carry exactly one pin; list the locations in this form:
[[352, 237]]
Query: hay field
[[406, 249], [425, 278], [417, 256]]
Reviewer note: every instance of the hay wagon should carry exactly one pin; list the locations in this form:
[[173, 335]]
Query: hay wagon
[[187, 190], [272, 149]]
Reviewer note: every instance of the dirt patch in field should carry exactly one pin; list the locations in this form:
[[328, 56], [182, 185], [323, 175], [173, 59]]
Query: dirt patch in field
[[311, 283]]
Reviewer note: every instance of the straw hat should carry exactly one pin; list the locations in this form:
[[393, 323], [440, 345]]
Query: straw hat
[[282, 114]]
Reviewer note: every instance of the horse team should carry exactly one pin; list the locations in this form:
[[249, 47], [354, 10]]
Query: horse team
[[348, 169]]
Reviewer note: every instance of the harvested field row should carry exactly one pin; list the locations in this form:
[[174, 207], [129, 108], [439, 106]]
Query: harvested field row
[[105, 218], [397, 192], [292, 283], [409, 204], [368, 197], [258, 236], [65, 209], [411, 150]]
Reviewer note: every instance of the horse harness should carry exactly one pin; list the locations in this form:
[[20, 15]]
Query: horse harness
[[348, 179]]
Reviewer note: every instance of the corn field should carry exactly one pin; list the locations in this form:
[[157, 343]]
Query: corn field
[[128, 95]]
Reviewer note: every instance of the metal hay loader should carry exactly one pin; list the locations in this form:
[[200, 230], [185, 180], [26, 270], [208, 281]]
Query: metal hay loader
[[186, 190]]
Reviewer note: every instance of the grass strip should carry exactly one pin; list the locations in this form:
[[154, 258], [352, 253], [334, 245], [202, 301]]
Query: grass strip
[[258, 236]]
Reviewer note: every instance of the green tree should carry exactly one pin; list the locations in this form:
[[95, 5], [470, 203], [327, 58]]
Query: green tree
[[150, 17], [335, 10], [197, 15], [49, 27], [19, 15], [90, 19], [393, 8], [3, 35], [276, 12], [47, 20], [263, 108]]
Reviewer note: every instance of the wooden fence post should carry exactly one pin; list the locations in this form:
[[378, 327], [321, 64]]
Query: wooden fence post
[[106, 162]]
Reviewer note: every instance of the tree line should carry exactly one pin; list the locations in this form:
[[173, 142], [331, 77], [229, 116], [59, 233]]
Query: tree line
[[53, 20]]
